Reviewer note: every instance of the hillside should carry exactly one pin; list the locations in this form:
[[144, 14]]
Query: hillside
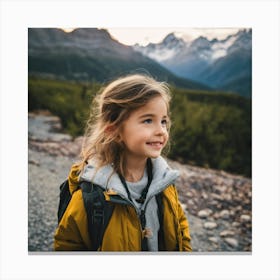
[[91, 54], [209, 129]]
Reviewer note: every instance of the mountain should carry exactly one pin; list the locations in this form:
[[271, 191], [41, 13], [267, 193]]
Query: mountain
[[167, 49], [91, 54], [222, 64]]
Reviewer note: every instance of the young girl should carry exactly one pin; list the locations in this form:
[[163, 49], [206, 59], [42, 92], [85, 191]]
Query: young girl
[[126, 133]]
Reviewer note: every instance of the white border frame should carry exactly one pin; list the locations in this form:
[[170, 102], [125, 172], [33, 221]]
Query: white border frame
[[261, 16]]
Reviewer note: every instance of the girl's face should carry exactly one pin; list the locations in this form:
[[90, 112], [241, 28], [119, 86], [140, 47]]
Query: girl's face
[[144, 133]]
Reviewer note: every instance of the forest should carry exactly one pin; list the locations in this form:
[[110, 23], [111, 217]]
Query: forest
[[209, 129]]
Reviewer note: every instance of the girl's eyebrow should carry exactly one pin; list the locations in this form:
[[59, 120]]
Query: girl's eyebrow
[[150, 115]]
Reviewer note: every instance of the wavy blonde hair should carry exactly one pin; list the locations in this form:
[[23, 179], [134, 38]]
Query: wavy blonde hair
[[111, 106]]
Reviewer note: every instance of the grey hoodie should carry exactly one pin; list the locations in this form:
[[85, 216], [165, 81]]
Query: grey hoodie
[[163, 176]]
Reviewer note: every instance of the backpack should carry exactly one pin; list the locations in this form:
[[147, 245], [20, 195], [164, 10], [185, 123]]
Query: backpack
[[98, 210]]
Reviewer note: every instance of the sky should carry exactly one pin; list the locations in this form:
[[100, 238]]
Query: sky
[[144, 36]]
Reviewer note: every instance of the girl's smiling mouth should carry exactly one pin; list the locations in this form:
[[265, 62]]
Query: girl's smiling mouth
[[155, 144]]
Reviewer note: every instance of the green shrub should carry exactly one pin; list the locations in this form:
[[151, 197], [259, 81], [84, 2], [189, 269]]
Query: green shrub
[[208, 129]]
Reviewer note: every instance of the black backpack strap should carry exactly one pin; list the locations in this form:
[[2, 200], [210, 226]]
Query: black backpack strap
[[98, 211], [64, 199], [150, 178], [161, 246]]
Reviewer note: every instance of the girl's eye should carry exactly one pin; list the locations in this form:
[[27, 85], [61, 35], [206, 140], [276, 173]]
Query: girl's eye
[[147, 121], [164, 122]]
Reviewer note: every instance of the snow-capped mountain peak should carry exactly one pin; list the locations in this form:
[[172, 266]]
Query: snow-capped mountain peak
[[172, 46], [220, 48], [222, 63], [165, 50]]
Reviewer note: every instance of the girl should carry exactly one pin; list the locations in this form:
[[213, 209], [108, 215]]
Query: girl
[[125, 135]]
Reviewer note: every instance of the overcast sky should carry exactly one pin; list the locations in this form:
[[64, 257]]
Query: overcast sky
[[143, 36]]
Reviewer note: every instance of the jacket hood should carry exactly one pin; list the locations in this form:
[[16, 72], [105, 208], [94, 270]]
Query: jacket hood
[[105, 177]]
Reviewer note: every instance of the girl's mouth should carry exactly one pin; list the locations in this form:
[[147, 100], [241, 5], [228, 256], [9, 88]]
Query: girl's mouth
[[155, 144]]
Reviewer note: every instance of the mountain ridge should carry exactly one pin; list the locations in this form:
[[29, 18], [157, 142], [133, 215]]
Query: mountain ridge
[[92, 54], [216, 63]]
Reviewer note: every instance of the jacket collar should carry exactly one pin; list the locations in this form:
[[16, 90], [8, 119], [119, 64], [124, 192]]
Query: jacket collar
[[105, 177]]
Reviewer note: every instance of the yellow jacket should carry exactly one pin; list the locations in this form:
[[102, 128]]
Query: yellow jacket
[[123, 232]]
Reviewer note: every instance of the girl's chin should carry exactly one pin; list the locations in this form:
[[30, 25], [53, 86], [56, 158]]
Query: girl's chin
[[154, 155]]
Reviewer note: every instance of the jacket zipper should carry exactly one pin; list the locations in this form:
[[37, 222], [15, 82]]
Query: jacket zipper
[[142, 212]]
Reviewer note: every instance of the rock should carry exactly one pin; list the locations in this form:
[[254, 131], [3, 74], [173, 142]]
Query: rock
[[204, 195], [184, 206], [217, 197], [232, 242], [236, 224], [213, 239], [245, 218], [190, 202], [225, 233], [227, 197], [225, 214], [204, 213], [239, 208], [189, 194], [213, 203], [210, 225], [216, 216], [35, 162], [220, 189], [231, 212]]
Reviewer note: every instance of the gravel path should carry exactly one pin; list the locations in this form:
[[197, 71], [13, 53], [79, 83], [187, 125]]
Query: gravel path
[[217, 204], [45, 173]]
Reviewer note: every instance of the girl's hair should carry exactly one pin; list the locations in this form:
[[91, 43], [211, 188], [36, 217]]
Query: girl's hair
[[111, 106]]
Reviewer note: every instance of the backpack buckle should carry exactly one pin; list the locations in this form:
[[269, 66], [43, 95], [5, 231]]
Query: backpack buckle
[[98, 214]]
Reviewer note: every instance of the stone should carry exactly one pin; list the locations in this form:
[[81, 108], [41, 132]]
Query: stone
[[210, 225], [236, 224], [227, 197], [35, 162], [216, 216], [217, 197], [232, 242], [190, 202], [225, 233], [245, 218], [204, 213], [189, 194], [220, 189], [204, 195], [225, 214], [213, 239], [214, 202], [184, 206], [239, 208]]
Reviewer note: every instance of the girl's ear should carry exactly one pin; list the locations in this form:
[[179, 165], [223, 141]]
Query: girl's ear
[[110, 129], [113, 131]]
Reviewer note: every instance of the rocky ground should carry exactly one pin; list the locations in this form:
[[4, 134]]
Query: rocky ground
[[218, 204]]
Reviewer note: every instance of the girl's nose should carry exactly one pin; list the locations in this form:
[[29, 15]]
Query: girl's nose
[[160, 129]]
